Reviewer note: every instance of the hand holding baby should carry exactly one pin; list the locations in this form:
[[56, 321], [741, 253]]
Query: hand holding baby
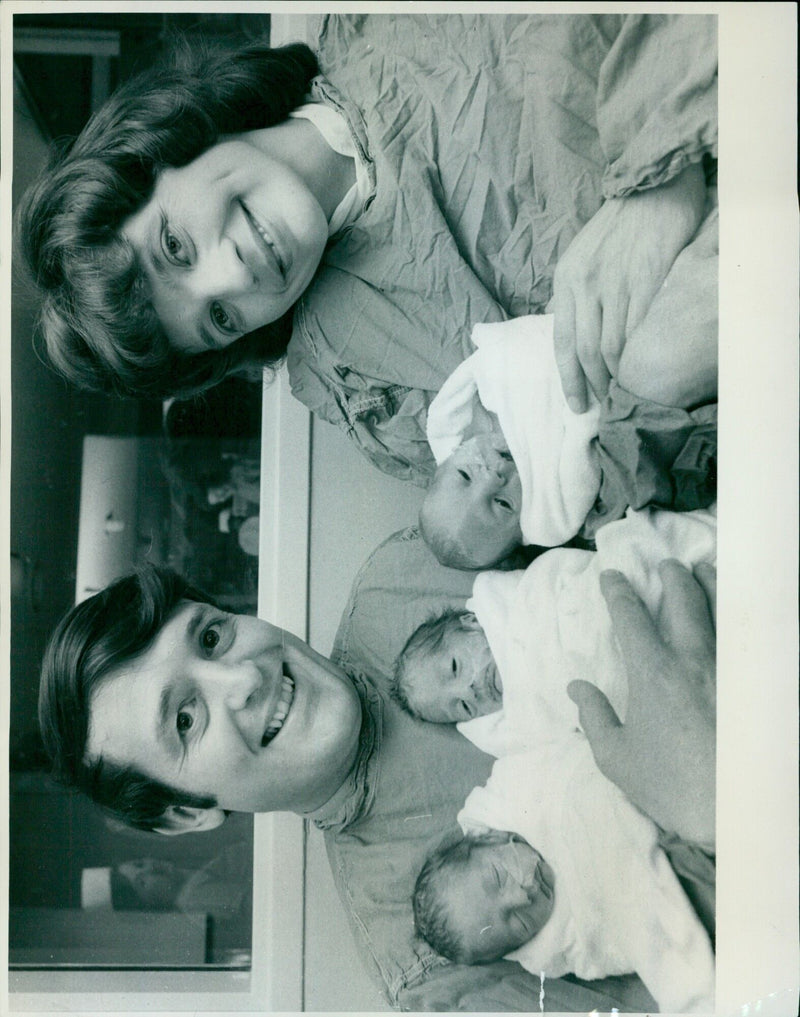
[[607, 278], [664, 755]]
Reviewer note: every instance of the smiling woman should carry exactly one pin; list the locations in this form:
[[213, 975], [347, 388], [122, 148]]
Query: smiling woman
[[230, 241]]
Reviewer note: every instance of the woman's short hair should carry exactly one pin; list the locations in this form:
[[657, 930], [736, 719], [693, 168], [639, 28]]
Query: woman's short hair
[[99, 327], [99, 634]]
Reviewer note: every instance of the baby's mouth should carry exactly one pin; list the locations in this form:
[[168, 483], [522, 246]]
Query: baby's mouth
[[281, 711], [492, 684]]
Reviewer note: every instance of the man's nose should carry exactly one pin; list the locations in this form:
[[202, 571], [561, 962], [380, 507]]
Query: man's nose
[[235, 685]]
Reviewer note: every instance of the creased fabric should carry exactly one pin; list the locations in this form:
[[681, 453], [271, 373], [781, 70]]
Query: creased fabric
[[491, 140]]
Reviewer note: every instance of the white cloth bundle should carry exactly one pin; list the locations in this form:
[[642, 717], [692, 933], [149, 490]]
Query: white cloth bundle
[[513, 372], [550, 624], [618, 905]]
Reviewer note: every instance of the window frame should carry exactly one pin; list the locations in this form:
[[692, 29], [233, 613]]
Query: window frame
[[275, 980]]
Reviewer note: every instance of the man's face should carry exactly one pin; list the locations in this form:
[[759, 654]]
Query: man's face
[[476, 496], [230, 706]]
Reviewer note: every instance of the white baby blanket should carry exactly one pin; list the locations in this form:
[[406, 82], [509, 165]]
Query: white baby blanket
[[513, 372], [549, 624], [618, 905]]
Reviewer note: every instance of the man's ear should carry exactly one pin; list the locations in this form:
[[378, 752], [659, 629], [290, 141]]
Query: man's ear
[[188, 819], [469, 622]]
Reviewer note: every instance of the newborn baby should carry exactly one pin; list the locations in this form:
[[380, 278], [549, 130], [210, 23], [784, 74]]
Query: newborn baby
[[578, 883], [483, 896], [502, 665], [516, 465], [474, 502]]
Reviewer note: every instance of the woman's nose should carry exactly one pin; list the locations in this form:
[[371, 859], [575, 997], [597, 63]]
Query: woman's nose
[[224, 272]]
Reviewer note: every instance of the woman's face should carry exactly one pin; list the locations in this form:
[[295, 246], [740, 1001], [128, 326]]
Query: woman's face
[[228, 244], [230, 706]]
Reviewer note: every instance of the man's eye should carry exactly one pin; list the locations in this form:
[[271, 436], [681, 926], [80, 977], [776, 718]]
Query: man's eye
[[505, 504], [173, 248], [210, 638], [221, 318], [184, 719], [454, 666], [465, 706], [465, 475]]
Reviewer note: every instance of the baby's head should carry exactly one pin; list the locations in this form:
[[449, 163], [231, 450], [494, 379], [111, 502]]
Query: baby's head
[[478, 899], [470, 515], [446, 672]]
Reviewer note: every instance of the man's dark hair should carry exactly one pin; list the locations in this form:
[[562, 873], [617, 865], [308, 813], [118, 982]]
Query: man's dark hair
[[108, 630]]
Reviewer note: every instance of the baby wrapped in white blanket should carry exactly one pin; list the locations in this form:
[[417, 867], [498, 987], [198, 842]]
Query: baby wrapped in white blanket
[[516, 465], [513, 374], [618, 905], [549, 625]]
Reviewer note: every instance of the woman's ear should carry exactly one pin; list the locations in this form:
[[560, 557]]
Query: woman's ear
[[469, 622], [188, 819]]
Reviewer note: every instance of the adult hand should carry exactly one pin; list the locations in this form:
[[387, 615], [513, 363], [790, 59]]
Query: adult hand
[[609, 274], [664, 755]]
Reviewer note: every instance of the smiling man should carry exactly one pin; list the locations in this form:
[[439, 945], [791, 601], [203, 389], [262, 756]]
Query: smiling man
[[170, 712]]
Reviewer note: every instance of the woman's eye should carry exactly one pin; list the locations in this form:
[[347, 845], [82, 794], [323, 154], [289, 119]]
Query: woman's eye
[[210, 638], [504, 504], [221, 318], [454, 666], [173, 248], [466, 708], [184, 719], [464, 474]]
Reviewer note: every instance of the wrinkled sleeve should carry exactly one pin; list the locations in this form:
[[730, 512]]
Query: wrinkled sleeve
[[657, 99]]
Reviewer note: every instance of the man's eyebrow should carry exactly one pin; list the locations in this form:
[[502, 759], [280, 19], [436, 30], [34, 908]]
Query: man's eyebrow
[[164, 725], [164, 716], [195, 621]]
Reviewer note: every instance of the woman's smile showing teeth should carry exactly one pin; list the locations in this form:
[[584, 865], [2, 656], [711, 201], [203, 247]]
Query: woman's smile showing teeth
[[282, 708], [265, 241]]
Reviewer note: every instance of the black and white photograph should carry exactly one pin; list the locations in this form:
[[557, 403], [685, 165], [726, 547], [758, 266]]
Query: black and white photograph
[[359, 361]]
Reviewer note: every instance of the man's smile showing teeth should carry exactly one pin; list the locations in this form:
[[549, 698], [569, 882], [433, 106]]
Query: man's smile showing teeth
[[282, 708]]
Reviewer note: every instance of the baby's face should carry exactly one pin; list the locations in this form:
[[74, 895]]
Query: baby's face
[[458, 680], [503, 898], [476, 496]]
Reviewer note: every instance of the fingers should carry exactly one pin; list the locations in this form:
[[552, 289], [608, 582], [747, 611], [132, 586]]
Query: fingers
[[636, 632], [612, 342], [588, 336], [597, 717], [573, 380], [686, 621]]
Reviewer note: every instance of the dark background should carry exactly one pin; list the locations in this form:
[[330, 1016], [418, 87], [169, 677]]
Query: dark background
[[55, 834]]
